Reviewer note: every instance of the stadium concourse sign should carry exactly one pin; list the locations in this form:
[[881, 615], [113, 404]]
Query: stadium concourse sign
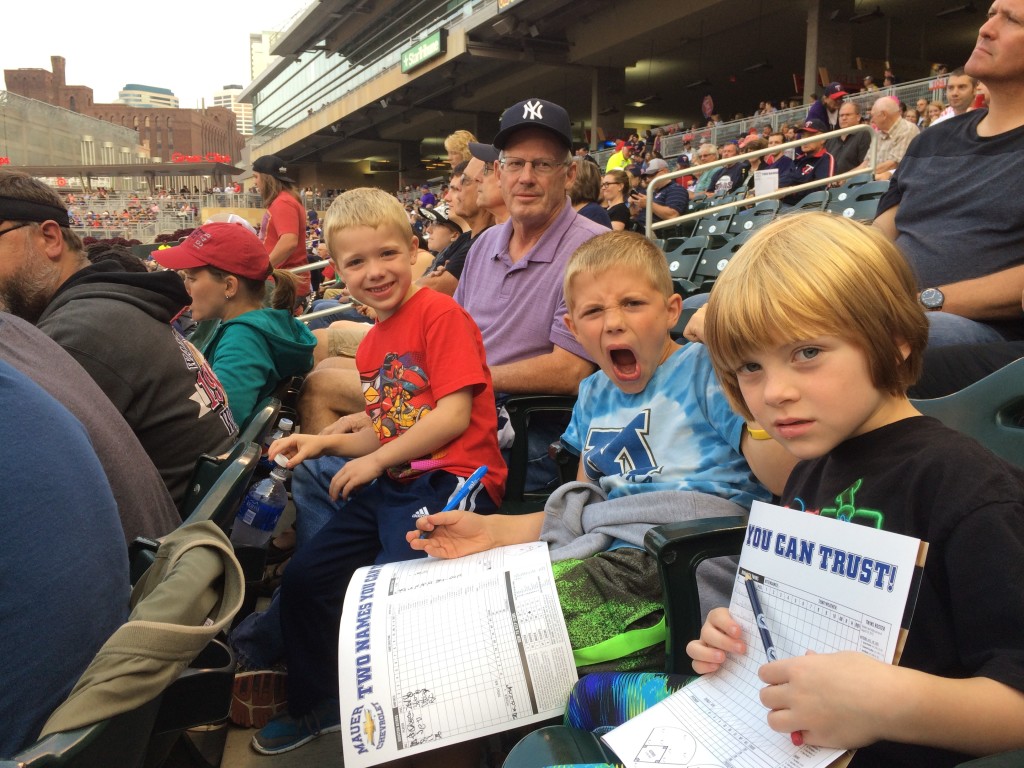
[[427, 49]]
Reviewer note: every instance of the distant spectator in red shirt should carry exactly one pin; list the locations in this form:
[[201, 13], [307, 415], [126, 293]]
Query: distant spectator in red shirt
[[283, 229]]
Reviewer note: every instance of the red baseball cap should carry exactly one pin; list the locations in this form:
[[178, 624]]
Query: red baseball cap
[[835, 91], [227, 247]]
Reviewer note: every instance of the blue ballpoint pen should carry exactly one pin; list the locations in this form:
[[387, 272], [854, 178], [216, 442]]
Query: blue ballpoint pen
[[467, 488], [766, 639], [761, 621]]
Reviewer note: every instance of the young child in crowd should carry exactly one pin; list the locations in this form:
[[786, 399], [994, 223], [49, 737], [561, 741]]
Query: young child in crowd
[[652, 421], [429, 396], [816, 332]]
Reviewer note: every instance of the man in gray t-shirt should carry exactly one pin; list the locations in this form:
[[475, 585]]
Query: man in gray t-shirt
[[951, 206]]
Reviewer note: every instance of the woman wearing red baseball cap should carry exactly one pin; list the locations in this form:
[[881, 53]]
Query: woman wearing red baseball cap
[[225, 268]]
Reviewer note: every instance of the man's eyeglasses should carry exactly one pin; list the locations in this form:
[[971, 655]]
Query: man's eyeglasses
[[541, 167], [11, 229]]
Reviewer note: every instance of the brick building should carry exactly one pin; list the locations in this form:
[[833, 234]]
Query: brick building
[[170, 134]]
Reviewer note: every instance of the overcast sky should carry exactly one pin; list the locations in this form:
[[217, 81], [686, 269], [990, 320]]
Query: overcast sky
[[193, 47]]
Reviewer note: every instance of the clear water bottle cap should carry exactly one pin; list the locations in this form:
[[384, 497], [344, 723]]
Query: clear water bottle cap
[[281, 460], [285, 424]]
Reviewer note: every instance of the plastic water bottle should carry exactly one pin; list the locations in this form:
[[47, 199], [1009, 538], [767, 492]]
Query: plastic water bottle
[[284, 428], [262, 508]]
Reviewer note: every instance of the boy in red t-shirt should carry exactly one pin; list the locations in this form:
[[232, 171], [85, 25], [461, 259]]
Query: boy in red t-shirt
[[429, 397]]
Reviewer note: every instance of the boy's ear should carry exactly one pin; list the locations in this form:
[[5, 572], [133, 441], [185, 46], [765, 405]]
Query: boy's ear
[[675, 309], [903, 347], [567, 319], [414, 248]]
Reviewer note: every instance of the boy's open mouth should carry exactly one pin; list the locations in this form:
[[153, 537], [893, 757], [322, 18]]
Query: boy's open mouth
[[624, 363]]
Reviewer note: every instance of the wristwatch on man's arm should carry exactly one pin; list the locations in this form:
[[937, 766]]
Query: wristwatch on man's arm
[[931, 299]]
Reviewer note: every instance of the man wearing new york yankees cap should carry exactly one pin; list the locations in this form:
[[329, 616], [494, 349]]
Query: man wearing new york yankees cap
[[512, 281]]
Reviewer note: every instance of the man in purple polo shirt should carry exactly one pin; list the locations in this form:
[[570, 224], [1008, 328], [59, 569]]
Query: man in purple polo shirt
[[512, 281]]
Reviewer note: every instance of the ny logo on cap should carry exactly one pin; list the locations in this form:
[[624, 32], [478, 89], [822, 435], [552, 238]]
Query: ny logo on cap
[[532, 110]]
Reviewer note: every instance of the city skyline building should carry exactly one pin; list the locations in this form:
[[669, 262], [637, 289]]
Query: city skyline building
[[169, 134], [147, 96], [260, 56], [227, 97]]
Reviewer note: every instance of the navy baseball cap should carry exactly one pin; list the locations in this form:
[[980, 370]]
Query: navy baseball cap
[[536, 113], [486, 152]]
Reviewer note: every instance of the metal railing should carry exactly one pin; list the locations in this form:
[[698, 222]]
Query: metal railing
[[650, 225], [673, 137], [307, 316], [311, 267], [326, 312]]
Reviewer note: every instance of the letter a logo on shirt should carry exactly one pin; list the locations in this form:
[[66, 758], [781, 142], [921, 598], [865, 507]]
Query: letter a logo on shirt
[[532, 110]]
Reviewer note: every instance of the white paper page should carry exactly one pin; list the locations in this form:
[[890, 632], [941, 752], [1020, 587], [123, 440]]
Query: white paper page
[[824, 585], [766, 182], [433, 652]]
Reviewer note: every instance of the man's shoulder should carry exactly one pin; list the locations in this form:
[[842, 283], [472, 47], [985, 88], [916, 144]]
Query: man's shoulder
[[907, 129], [578, 229], [959, 129], [92, 318], [590, 226], [491, 239]]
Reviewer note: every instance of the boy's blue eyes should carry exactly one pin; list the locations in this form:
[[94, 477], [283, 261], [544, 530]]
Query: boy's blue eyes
[[803, 354], [357, 261], [591, 311]]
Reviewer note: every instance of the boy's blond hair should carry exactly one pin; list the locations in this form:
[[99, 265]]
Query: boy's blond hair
[[619, 249], [814, 274], [366, 207]]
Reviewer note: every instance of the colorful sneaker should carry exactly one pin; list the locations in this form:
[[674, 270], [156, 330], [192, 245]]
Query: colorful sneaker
[[258, 696], [285, 733]]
